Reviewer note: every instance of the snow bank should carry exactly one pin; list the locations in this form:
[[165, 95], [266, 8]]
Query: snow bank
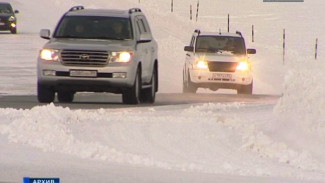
[[209, 138], [303, 98], [48, 128]]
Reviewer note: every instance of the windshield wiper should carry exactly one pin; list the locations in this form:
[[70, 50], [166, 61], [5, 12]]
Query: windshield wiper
[[111, 38], [78, 37], [67, 36]]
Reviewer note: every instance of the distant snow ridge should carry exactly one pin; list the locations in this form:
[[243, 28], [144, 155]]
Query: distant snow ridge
[[303, 97]]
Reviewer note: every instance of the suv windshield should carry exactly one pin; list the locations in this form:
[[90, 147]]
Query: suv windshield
[[233, 45], [92, 27], [5, 8]]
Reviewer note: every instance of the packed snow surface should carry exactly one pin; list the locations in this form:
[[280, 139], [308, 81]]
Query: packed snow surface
[[277, 141]]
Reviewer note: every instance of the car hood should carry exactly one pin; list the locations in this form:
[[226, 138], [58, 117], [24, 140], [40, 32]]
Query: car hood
[[90, 44], [220, 57]]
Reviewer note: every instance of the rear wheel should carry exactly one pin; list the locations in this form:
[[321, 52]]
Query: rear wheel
[[245, 89], [188, 86], [65, 96], [132, 95], [45, 94], [148, 95]]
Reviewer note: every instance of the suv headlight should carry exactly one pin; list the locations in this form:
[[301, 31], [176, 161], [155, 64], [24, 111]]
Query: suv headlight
[[12, 18], [122, 57], [201, 64], [49, 54], [243, 66]]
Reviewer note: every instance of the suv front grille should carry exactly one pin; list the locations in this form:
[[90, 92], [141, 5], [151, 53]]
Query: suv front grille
[[84, 57], [222, 66]]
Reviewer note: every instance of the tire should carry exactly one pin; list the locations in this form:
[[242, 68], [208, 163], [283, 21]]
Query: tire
[[148, 95], [245, 89], [188, 86], [132, 95], [13, 31], [65, 97], [44, 94]]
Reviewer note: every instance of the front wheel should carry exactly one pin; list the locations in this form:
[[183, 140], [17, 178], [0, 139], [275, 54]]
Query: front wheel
[[65, 97], [45, 94], [188, 86], [13, 30], [245, 89], [149, 94], [132, 95]]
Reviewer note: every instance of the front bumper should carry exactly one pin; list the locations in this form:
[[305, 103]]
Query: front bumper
[[59, 77], [205, 78], [7, 25]]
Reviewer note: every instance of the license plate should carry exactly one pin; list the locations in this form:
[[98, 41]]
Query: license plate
[[1, 23], [221, 76], [83, 73]]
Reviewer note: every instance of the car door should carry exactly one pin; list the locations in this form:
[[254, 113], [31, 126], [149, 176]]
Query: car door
[[189, 58], [145, 48], [153, 47]]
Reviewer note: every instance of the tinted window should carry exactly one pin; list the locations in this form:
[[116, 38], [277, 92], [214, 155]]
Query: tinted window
[[234, 45], [91, 27], [5, 8]]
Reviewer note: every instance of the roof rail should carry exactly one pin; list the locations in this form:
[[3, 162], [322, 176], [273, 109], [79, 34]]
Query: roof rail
[[239, 33], [197, 31], [133, 10], [75, 8]]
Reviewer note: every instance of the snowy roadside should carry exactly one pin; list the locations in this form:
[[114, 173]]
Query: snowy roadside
[[232, 139]]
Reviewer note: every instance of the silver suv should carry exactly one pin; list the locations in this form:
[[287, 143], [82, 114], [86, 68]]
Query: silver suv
[[217, 60], [96, 50]]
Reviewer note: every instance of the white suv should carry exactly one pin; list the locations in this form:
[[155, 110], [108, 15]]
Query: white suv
[[217, 60], [97, 50]]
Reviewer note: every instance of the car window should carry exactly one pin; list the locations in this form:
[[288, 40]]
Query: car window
[[143, 25], [140, 26], [92, 27], [192, 41], [5, 8], [234, 45]]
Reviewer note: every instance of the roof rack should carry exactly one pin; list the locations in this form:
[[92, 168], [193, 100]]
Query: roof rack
[[197, 31], [75, 8], [239, 33], [133, 10]]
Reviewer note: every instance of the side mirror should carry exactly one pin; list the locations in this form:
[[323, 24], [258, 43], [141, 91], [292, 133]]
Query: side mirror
[[188, 48], [45, 34], [144, 38], [251, 51], [16, 11]]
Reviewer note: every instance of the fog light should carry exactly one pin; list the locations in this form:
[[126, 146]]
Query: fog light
[[48, 73], [119, 75]]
